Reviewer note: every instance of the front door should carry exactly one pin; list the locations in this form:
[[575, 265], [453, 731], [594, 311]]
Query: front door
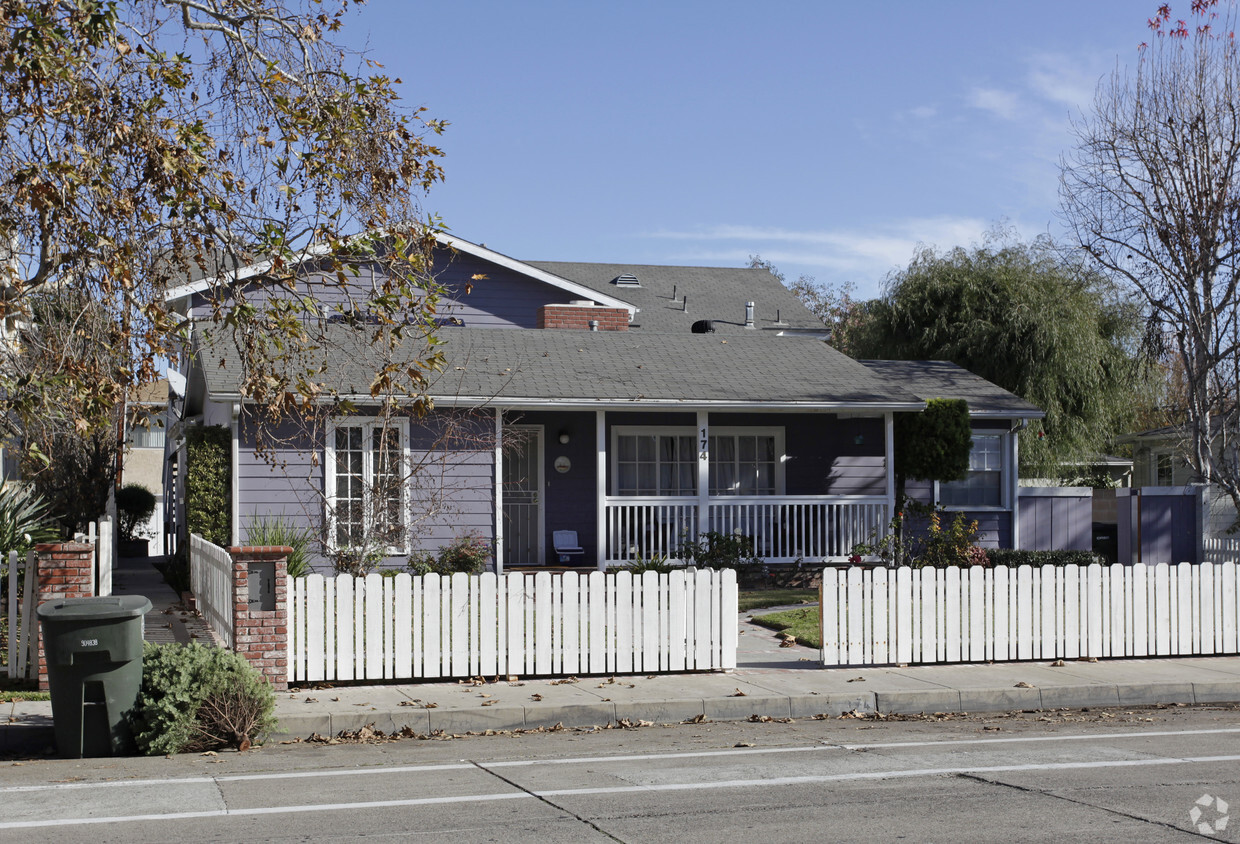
[[523, 518]]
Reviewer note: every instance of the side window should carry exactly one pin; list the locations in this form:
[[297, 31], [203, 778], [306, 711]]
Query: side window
[[984, 485]]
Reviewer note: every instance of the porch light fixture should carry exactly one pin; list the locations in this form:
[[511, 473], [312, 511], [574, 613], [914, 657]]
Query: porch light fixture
[[564, 437]]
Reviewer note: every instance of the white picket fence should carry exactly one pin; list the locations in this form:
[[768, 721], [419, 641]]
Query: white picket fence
[[403, 627], [19, 608], [904, 615], [211, 581], [100, 535]]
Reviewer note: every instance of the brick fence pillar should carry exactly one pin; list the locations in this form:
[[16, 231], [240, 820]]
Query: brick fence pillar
[[65, 570], [261, 635]]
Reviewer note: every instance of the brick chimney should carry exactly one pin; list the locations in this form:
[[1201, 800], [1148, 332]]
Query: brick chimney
[[578, 315]]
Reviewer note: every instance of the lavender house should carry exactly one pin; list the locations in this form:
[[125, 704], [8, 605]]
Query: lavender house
[[633, 406]]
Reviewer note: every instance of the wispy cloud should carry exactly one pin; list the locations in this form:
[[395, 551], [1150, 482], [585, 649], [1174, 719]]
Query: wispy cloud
[[865, 256], [1061, 79], [1004, 104]]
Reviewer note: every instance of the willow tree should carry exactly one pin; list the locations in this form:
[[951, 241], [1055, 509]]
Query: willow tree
[[1152, 192], [145, 144], [1025, 318]]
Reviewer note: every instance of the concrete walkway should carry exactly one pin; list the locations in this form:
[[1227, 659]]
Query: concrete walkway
[[769, 682], [168, 619]]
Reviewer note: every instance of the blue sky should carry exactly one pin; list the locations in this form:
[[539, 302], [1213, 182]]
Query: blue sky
[[830, 138]]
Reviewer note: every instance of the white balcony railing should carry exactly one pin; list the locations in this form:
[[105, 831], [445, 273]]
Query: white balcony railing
[[783, 528]]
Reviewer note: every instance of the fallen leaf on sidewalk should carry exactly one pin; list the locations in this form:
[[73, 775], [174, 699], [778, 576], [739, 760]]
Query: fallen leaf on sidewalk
[[312, 700], [536, 696], [489, 702], [738, 693], [1023, 685], [1059, 663], [696, 719], [857, 680], [743, 744], [1088, 659], [564, 681]]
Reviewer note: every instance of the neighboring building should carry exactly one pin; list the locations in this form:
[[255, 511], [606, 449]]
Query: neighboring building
[[635, 406], [1157, 462], [143, 460]]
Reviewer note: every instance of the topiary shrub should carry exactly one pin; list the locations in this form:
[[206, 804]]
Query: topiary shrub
[[208, 483], [135, 504], [195, 698]]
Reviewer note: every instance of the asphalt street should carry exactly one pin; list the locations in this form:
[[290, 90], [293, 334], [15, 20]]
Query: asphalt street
[[1158, 774]]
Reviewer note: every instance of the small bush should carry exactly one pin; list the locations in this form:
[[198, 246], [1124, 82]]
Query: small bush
[[954, 545], [1012, 558], [468, 553], [135, 504], [715, 550], [656, 564], [276, 530], [23, 512], [195, 699]]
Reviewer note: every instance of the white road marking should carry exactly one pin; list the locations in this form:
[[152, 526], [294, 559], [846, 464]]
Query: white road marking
[[594, 760], [635, 789]]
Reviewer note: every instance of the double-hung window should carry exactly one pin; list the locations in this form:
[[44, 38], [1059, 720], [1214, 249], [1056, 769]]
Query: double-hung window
[[983, 487], [664, 461], [365, 474]]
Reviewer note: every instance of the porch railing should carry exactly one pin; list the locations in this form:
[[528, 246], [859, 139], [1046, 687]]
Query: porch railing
[[783, 528]]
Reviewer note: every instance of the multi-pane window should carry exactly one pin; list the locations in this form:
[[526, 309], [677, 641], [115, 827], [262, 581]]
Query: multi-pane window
[[1164, 469], [743, 464], [984, 485], [656, 464], [666, 462], [367, 485]]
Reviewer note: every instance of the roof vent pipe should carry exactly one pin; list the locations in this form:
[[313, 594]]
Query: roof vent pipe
[[594, 325], [749, 314]]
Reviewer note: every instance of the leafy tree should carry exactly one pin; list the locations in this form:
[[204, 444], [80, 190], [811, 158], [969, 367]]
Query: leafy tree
[[145, 144], [1027, 319], [1152, 193], [837, 308]]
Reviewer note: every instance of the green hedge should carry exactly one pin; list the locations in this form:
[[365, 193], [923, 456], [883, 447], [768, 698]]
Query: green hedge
[[208, 483], [1013, 558]]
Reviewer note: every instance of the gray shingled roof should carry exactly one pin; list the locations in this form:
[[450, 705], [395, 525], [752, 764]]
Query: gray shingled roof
[[625, 368], [930, 379], [715, 293]]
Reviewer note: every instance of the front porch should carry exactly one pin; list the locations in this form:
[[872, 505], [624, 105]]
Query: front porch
[[637, 486]]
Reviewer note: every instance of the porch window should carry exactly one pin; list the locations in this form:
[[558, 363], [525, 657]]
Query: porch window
[[664, 462], [655, 464], [365, 484], [984, 485], [744, 464]]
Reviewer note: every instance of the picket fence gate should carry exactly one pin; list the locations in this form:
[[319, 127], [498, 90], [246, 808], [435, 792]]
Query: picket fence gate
[[460, 626], [211, 581], [18, 605], [977, 614]]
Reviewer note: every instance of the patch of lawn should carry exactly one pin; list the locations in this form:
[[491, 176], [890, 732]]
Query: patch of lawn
[[802, 623], [754, 599]]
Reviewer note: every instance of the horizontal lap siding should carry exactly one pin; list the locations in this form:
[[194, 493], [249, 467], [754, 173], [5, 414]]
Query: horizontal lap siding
[[290, 486], [478, 292]]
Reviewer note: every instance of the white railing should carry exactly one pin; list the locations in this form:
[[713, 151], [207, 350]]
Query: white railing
[[19, 608], [1220, 550], [880, 616], [648, 528], [790, 528], [403, 627], [211, 580], [784, 529]]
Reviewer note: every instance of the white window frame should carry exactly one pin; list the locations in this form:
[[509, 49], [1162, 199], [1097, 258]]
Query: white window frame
[[368, 424], [1155, 457], [1005, 474], [775, 431]]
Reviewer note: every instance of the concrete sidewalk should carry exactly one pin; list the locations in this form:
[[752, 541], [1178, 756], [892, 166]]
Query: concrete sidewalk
[[769, 681]]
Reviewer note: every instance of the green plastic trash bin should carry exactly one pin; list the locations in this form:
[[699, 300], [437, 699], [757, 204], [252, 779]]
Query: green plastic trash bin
[[94, 668]]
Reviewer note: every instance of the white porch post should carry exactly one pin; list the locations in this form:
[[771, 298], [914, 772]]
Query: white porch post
[[600, 493], [1014, 487], [235, 512], [499, 491], [703, 479], [889, 436]]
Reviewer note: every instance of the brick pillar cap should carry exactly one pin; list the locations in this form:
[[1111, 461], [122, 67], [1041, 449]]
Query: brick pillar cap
[[260, 552], [43, 547]]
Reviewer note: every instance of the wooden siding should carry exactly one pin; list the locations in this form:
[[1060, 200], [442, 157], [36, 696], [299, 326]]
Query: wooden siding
[[479, 293]]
